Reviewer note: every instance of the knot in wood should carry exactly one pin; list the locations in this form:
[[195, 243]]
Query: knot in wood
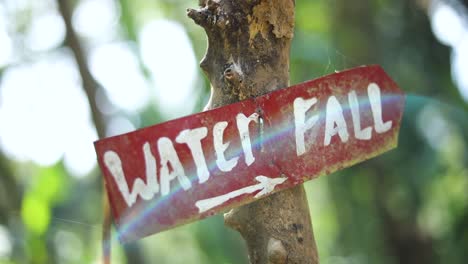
[[199, 16], [233, 74], [276, 252], [222, 22], [209, 15]]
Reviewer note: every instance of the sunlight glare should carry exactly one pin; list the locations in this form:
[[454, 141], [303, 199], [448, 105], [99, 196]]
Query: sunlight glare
[[96, 19], [167, 52], [116, 67], [6, 46], [46, 32], [446, 24], [80, 156], [460, 66], [5, 243], [43, 111], [119, 125], [450, 29]]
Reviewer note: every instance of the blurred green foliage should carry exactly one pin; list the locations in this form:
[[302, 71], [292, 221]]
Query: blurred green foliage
[[407, 206]]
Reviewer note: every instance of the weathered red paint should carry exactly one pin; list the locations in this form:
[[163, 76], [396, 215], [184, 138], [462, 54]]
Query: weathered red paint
[[274, 150]]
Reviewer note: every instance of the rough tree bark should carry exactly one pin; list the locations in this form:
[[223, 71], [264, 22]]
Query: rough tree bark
[[247, 56]]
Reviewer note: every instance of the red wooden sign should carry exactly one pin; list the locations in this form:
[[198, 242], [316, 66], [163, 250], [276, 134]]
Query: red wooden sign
[[179, 171]]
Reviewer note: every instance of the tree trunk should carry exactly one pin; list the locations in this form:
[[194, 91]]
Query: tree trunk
[[248, 55]]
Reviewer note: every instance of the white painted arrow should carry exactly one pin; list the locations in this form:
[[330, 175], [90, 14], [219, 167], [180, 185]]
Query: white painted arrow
[[266, 185]]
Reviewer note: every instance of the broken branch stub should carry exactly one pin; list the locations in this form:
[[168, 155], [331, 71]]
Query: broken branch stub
[[248, 47], [247, 56]]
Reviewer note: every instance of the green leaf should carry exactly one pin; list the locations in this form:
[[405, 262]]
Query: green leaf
[[35, 213], [50, 184]]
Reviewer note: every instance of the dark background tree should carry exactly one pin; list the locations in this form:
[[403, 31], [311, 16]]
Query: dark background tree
[[407, 206]]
